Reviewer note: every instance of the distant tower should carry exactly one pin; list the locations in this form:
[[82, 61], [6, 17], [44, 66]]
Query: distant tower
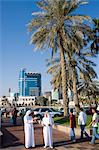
[[29, 83], [22, 82]]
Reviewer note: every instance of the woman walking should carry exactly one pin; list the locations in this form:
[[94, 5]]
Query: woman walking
[[95, 126]]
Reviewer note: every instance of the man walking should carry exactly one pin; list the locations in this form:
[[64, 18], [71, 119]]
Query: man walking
[[72, 126], [82, 118]]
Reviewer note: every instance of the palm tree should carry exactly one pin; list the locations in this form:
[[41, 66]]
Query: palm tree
[[76, 65], [80, 64], [53, 28], [89, 89]]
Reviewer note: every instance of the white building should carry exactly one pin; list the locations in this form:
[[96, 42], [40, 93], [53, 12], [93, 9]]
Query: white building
[[19, 101], [26, 100], [6, 101]]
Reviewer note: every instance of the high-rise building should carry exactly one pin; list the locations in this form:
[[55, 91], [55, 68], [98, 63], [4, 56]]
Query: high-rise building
[[29, 83]]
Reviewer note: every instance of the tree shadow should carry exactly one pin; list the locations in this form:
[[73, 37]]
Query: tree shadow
[[62, 120]]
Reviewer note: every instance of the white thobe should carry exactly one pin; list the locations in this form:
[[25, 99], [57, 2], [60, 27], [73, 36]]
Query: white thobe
[[29, 131], [47, 131]]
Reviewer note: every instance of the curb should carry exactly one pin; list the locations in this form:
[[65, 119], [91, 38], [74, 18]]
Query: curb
[[66, 129]]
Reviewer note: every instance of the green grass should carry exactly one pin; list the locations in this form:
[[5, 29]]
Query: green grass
[[65, 121], [89, 119], [61, 120]]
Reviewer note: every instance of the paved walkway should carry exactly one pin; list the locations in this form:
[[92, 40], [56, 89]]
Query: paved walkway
[[13, 139], [76, 146], [14, 135]]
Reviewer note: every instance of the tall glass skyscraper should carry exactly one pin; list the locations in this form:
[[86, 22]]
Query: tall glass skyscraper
[[29, 83]]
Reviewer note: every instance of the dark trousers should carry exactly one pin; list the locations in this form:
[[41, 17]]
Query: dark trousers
[[83, 132], [14, 120]]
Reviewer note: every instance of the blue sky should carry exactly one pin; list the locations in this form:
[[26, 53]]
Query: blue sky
[[15, 50]]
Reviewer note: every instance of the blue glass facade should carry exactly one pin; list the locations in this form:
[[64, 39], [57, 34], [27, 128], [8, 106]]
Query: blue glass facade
[[29, 83]]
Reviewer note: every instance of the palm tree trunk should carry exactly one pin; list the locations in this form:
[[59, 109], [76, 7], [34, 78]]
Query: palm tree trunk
[[64, 83], [76, 100], [64, 77]]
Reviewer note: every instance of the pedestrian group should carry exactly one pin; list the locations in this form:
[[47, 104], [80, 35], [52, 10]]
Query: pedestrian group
[[47, 123]]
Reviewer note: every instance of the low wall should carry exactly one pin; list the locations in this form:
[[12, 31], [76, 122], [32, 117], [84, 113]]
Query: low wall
[[66, 129]]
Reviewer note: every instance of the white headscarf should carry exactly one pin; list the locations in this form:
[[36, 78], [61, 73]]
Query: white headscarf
[[46, 113], [28, 118], [50, 119], [47, 120], [28, 112]]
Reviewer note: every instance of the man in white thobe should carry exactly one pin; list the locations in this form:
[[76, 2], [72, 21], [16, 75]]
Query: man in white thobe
[[82, 119], [47, 123], [29, 130]]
